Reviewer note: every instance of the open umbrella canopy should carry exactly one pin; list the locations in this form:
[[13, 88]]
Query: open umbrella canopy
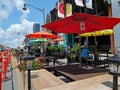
[[51, 42], [42, 34], [98, 33], [39, 40], [57, 39], [30, 43], [82, 23]]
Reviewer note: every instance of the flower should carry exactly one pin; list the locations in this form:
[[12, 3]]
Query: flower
[[21, 66], [41, 58], [37, 64]]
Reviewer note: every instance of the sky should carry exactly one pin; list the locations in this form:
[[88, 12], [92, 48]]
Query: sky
[[16, 23]]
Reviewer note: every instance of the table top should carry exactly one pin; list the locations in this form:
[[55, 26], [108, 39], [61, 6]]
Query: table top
[[89, 59], [49, 57], [43, 79], [113, 58], [28, 57], [74, 72]]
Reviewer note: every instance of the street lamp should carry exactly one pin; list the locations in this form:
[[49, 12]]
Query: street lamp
[[28, 66], [41, 10], [19, 36], [114, 69]]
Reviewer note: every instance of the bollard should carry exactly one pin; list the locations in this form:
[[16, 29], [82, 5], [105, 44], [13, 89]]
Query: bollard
[[9, 57], [5, 61]]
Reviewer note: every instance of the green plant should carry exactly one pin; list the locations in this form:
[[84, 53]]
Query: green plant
[[56, 48], [75, 48], [36, 64], [51, 48], [73, 57], [21, 66]]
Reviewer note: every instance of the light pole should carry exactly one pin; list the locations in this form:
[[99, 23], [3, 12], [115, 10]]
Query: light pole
[[114, 70], [41, 10], [19, 36], [28, 66]]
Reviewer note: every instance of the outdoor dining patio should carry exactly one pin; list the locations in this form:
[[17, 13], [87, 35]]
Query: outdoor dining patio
[[39, 66], [54, 77]]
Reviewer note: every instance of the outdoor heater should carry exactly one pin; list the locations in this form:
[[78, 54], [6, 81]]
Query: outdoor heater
[[28, 66], [114, 69]]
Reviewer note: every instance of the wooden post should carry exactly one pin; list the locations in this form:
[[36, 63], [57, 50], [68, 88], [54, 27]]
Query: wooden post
[[111, 35]]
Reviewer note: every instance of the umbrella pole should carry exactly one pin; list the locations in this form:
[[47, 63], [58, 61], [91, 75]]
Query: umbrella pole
[[95, 44], [80, 62], [86, 40], [79, 26]]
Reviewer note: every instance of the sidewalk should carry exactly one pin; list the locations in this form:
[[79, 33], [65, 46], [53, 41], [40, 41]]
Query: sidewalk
[[11, 82], [14, 79]]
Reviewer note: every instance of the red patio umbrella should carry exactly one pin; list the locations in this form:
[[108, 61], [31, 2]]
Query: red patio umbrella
[[82, 23], [57, 39], [42, 34], [51, 42]]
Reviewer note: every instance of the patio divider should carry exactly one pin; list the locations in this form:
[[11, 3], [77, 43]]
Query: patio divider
[[6, 61]]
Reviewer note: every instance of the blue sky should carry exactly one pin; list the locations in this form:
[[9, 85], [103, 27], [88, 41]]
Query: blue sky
[[13, 19]]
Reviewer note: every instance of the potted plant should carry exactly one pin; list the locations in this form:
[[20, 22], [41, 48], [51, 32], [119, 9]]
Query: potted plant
[[38, 63], [72, 56]]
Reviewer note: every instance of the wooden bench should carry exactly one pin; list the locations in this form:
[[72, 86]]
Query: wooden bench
[[43, 79], [94, 83]]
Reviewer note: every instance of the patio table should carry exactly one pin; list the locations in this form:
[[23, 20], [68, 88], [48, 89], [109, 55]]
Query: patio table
[[48, 58], [74, 72], [113, 58]]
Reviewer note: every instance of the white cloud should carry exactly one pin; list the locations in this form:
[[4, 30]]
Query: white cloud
[[7, 6], [2, 33], [11, 36], [24, 16], [19, 5]]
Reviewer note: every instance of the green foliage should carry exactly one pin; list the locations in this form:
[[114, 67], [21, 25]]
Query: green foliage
[[21, 66], [50, 48], [61, 48], [36, 64], [73, 57], [75, 48], [57, 51], [56, 48]]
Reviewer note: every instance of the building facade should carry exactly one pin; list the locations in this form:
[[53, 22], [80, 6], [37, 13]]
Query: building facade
[[36, 27], [116, 13]]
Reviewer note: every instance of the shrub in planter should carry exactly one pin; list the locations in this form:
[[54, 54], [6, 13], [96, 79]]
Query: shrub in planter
[[75, 48], [36, 64]]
